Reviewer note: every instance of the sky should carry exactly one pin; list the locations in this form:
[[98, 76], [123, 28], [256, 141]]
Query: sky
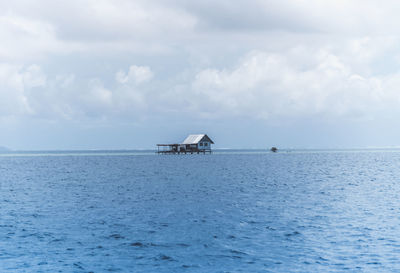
[[127, 74]]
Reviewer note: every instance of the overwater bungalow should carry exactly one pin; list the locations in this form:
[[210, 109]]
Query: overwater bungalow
[[192, 144]]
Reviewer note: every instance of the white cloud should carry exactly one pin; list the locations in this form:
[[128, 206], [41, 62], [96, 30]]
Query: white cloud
[[98, 94], [27, 39], [265, 84], [140, 26], [261, 85], [28, 91], [306, 58], [16, 82], [136, 74], [65, 80], [33, 77], [88, 26]]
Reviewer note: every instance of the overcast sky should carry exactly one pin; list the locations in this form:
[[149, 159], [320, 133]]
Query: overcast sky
[[102, 74]]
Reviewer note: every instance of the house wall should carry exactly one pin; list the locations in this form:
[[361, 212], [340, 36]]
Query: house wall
[[206, 145], [189, 147]]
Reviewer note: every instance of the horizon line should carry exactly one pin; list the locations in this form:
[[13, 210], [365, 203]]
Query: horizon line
[[214, 149]]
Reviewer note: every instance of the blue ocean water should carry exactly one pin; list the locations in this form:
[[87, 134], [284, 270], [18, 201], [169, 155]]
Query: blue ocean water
[[319, 211]]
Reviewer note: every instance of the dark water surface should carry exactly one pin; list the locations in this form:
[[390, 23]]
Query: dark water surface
[[233, 212]]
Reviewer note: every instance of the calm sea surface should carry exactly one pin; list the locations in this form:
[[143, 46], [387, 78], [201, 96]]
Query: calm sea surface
[[226, 212]]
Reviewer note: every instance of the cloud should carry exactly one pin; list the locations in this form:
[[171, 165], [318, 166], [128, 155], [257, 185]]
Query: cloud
[[63, 97], [33, 77], [258, 59], [15, 83], [136, 74], [27, 39], [121, 26], [98, 95], [310, 16], [89, 26], [265, 85], [261, 85]]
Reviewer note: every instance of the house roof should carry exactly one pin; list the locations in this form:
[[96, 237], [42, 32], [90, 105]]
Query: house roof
[[194, 139]]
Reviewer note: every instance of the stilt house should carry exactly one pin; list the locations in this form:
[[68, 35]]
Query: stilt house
[[192, 144]]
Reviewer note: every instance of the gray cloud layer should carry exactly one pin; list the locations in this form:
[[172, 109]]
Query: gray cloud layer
[[134, 60]]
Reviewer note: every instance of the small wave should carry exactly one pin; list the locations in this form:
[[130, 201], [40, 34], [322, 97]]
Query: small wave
[[138, 244], [79, 265], [116, 236], [237, 252], [292, 234], [163, 257], [182, 245]]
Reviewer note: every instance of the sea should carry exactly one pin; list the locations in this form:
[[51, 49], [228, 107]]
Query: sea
[[231, 211]]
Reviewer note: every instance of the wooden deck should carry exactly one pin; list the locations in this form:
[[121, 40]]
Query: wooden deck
[[177, 149], [185, 152]]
